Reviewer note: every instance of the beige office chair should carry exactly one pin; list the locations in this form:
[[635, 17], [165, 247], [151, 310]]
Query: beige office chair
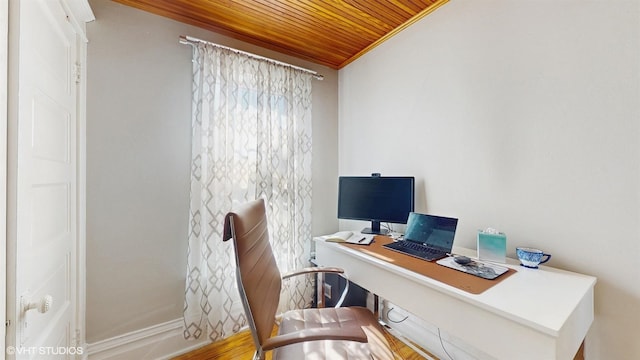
[[327, 333]]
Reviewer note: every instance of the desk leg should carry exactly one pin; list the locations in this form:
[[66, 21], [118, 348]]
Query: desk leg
[[376, 305], [320, 290], [376, 310]]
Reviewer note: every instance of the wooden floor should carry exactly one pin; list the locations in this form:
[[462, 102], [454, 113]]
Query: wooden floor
[[240, 347]]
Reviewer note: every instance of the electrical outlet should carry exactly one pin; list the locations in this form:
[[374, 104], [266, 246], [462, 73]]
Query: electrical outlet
[[327, 291]]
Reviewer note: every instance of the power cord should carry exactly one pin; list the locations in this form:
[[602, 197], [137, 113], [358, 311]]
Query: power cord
[[442, 344], [394, 321]]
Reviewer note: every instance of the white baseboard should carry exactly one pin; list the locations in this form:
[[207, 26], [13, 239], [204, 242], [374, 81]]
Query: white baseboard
[[158, 342]]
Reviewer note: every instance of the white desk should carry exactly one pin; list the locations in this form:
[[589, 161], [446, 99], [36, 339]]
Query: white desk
[[534, 314]]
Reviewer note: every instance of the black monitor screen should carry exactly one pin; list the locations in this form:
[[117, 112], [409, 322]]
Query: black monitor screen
[[376, 199]]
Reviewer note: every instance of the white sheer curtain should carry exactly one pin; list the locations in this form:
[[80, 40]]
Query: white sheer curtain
[[251, 138]]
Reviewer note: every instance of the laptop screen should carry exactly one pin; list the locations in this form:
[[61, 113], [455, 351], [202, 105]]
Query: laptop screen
[[435, 231]]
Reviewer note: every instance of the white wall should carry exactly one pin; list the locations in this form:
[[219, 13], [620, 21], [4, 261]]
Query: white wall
[[138, 163], [523, 116], [4, 65]]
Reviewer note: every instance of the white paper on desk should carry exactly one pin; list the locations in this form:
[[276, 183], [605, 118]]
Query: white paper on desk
[[350, 237]]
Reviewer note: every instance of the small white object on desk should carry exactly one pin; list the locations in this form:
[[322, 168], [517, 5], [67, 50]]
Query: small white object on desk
[[350, 237]]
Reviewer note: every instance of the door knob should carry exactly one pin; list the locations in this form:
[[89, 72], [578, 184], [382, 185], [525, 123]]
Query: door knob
[[43, 305]]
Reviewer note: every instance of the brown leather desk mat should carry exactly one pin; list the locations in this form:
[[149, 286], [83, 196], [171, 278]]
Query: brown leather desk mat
[[458, 279]]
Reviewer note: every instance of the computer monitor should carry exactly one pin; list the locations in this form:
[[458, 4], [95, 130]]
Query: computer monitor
[[376, 199]]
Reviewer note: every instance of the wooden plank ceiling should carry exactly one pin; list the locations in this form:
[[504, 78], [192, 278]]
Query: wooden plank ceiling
[[327, 32]]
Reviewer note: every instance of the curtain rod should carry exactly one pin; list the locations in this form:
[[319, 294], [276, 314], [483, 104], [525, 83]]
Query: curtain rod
[[188, 40]]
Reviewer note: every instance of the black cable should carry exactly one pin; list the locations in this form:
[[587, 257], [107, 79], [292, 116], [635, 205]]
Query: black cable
[[393, 321], [441, 343]]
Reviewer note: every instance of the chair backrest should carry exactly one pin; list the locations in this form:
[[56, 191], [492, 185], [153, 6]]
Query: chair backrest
[[258, 276]]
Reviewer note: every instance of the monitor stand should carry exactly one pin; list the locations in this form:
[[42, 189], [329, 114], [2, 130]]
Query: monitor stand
[[375, 229]]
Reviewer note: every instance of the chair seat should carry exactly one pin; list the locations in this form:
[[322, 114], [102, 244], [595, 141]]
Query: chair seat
[[377, 346]]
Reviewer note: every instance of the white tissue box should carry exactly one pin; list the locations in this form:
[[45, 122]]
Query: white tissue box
[[492, 247]]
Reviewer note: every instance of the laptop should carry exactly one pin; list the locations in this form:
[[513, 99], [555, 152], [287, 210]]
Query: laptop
[[427, 237]]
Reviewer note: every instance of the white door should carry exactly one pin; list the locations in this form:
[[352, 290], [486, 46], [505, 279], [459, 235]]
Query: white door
[[45, 205], [4, 43]]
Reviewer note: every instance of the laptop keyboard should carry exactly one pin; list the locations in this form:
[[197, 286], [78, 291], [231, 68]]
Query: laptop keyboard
[[418, 247]]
